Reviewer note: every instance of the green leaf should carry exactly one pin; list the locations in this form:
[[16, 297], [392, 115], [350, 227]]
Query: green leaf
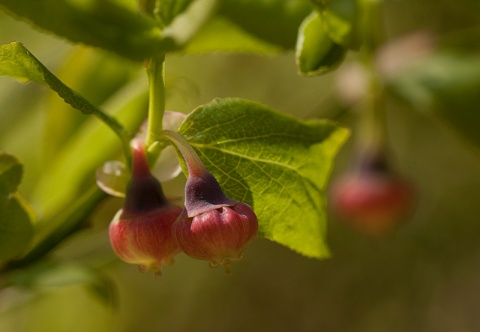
[[275, 163], [274, 21], [16, 227], [80, 298], [16, 61], [316, 53], [444, 84], [110, 24], [11, 172]]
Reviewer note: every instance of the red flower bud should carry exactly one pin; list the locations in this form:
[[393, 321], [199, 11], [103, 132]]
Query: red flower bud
[[212, 226], [372, 200], [141, 232]]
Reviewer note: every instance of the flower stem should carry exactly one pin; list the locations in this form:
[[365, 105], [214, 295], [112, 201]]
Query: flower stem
[[194, 164], [372, 31], [372, 126], [156, 106]]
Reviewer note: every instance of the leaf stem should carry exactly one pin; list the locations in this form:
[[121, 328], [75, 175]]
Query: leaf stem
[[192, 160], [121, 132], [80, 103]]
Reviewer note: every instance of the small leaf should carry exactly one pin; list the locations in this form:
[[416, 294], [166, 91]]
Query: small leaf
[[11, 172], [109, 24], [316, 53], [16, 227], [273, 162], [16, 61]]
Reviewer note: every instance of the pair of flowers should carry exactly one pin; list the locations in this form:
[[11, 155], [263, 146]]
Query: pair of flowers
[[149, 230]]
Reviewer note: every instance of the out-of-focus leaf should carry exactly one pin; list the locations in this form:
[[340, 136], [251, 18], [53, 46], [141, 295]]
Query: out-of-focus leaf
[[16, 216], [188, 23], [222, 35], [64, 223], [109, 24], [11, 172], [446, 84], [54, 274], [16, 227], [167, 10], [273, 162], [67, 291], [275, 21], [316, 53]]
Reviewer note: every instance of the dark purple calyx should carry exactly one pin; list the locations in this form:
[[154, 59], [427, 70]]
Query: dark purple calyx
[[372, 162], [144, 191], [203, 193]]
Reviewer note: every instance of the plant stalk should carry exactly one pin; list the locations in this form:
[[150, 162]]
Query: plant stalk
[[156, 106], [194, 163]]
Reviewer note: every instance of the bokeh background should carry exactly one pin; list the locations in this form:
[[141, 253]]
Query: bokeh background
[[426, 277]]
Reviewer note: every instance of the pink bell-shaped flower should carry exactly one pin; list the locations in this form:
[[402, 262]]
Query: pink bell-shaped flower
[[141, 232], [212, 226], [372, 199]]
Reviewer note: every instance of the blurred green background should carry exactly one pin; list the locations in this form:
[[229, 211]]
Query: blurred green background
[[424, 278]]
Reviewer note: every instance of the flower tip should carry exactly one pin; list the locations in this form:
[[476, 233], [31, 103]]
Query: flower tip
[[137, 144]]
